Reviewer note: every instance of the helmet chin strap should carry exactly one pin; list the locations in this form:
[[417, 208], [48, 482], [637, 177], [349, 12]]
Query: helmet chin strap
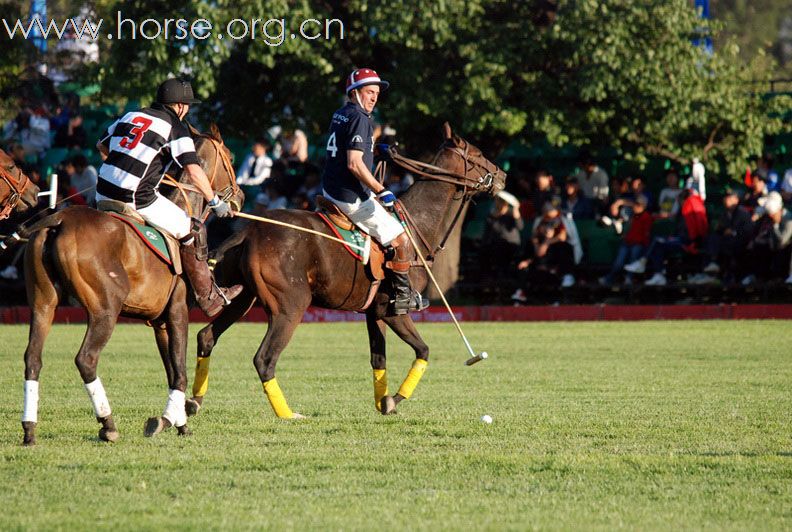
[[357, 97]]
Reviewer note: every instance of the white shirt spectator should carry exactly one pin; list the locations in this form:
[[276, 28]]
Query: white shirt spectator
[[668, 201], [35, 138], [85, 182], [594, 185], [254, 170]]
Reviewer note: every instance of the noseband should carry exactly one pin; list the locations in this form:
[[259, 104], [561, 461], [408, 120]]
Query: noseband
[[18, 185]]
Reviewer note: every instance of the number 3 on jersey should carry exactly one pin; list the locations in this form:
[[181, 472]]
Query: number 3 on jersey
[[136, 133], [331, 145]]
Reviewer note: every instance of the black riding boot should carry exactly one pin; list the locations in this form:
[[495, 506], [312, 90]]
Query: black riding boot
[[405, 299], [210, 297]]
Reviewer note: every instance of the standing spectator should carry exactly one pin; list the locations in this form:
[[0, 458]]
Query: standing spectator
[[754, 198], [727, 244], [635, 241], [543, 191], [574, 202], [697, 180], [593, 180], [765, 169], [668, 203], [501, 241], [257, 167], [71, 135], [769, 249], [30, 131], [83, 178]]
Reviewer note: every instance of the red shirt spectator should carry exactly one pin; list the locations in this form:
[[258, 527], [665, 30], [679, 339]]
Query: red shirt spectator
[[640, 231]]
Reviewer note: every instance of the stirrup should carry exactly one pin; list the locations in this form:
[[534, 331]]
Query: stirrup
[[220, 291]]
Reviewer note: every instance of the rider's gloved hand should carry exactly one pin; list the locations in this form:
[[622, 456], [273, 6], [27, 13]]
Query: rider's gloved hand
[[386, 197], [221, 208]]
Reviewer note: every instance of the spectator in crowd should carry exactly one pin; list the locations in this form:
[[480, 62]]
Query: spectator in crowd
[[620, 208], [543, 191], [764, 168], [71, 135], [786, 186], [294, 146], [754, 197], [574, 202], [312, 185], [668, 204], [524, 191], [69, 108], [635, 242], [271, 197], [500, 244], [769, 248], [83, 178], [257, 166], [29, 130], [726, 246], [692, 230], [593, 180], [697, 180]]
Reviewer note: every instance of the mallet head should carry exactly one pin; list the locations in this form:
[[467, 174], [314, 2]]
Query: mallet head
[[478, 358]]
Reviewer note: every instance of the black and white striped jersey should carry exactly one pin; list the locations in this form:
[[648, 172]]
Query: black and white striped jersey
[[142, 147]]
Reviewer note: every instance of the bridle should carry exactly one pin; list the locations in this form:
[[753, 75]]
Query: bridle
[[478, 175], [228, 193], [17, 186]]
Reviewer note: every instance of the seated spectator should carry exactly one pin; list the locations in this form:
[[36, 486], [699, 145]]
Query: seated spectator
[[30, 131], [726, 246], [765, 169], [83, 177], [620, 208], [668, 204], [72, 135], [257, 166], [574, 202], [294, 146], [635, 242], [501, 241], [271, 197], [769, 248], [754, 198], [593, 180], [692, 229]]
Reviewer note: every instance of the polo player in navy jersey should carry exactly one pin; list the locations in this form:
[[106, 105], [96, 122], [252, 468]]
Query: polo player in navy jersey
[[140, 148], [348, 182]]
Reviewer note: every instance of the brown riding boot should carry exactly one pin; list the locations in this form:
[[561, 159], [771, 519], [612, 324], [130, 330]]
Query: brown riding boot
[[210, 297], [405, 299]]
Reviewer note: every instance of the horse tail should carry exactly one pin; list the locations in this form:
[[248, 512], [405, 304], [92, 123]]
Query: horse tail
[[23, 233]]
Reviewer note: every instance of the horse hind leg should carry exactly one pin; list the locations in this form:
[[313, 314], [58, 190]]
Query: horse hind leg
[[376, 334], [207, 339], [43, 296], [404, 327]]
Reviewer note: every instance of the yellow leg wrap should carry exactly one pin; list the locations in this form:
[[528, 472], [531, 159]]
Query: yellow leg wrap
[[380, 386], [413, 377], [201, 382], [277, 400]]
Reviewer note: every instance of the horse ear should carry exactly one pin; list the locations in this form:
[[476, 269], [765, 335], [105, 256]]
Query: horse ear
[[215, 132], [447, 133]]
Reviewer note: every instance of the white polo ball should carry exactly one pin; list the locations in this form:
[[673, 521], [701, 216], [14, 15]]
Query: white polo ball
[[486, 418]]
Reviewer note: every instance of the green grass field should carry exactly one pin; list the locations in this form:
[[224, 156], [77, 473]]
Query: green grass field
[[596, 425]]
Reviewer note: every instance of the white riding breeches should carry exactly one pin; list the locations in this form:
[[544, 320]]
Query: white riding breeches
[[370, 216], [164, 214]]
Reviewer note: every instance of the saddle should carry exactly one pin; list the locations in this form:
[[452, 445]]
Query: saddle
[[164, 245]]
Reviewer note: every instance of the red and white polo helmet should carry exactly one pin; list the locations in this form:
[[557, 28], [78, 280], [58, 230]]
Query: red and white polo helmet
[[362, 77]]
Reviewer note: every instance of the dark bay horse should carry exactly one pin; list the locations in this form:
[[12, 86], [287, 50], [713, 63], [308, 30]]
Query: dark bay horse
[[288, 270], [17, 192], [99, 261]]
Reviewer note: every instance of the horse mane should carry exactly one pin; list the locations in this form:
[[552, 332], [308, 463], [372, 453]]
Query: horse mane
[[213, 133]]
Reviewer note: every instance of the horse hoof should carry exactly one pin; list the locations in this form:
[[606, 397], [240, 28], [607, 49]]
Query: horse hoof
[[30, 433], [29, 441], [155, 425], [183, 431], [109, 435], [387, 405], [193, 406], [295, 415]]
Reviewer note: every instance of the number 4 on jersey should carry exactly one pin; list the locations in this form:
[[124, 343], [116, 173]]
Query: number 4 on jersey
[[331, 145]]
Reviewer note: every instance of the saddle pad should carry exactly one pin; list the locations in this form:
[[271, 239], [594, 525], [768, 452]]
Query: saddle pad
[[355, 237], [153, 239]]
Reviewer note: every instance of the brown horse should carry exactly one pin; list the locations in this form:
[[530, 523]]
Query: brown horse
[[288, 270], [17, 192], [99, 261]]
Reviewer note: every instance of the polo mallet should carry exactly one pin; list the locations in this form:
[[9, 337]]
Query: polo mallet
[[473, 356], [53, 191]]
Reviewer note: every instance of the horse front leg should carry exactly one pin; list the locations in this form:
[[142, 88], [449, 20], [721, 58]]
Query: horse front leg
[[171, 339], [404, 327], [280, 330], [376, 334], [207, 340]]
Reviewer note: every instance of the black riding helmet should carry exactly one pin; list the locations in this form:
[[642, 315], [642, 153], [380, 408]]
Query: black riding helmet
[[175, 91]]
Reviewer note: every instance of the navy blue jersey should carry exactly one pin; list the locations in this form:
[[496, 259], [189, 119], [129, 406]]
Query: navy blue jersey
[[350, 129]]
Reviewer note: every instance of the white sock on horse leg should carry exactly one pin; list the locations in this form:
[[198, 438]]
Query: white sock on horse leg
[[174, 409], [30, 412], [98, 397]]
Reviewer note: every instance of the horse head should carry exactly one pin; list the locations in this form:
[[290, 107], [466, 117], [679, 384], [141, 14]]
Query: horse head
[[15, 187], [462, 158]]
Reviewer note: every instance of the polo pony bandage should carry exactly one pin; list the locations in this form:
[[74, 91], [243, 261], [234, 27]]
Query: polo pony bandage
[[98, 397], [380, 386], [174, 409], [413, 378], [277, 400], [201, 382], [30, 412]]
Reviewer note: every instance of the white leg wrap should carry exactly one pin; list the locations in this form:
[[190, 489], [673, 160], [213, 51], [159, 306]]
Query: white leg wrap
[[174, 409], [98, 397], [30, 412]]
